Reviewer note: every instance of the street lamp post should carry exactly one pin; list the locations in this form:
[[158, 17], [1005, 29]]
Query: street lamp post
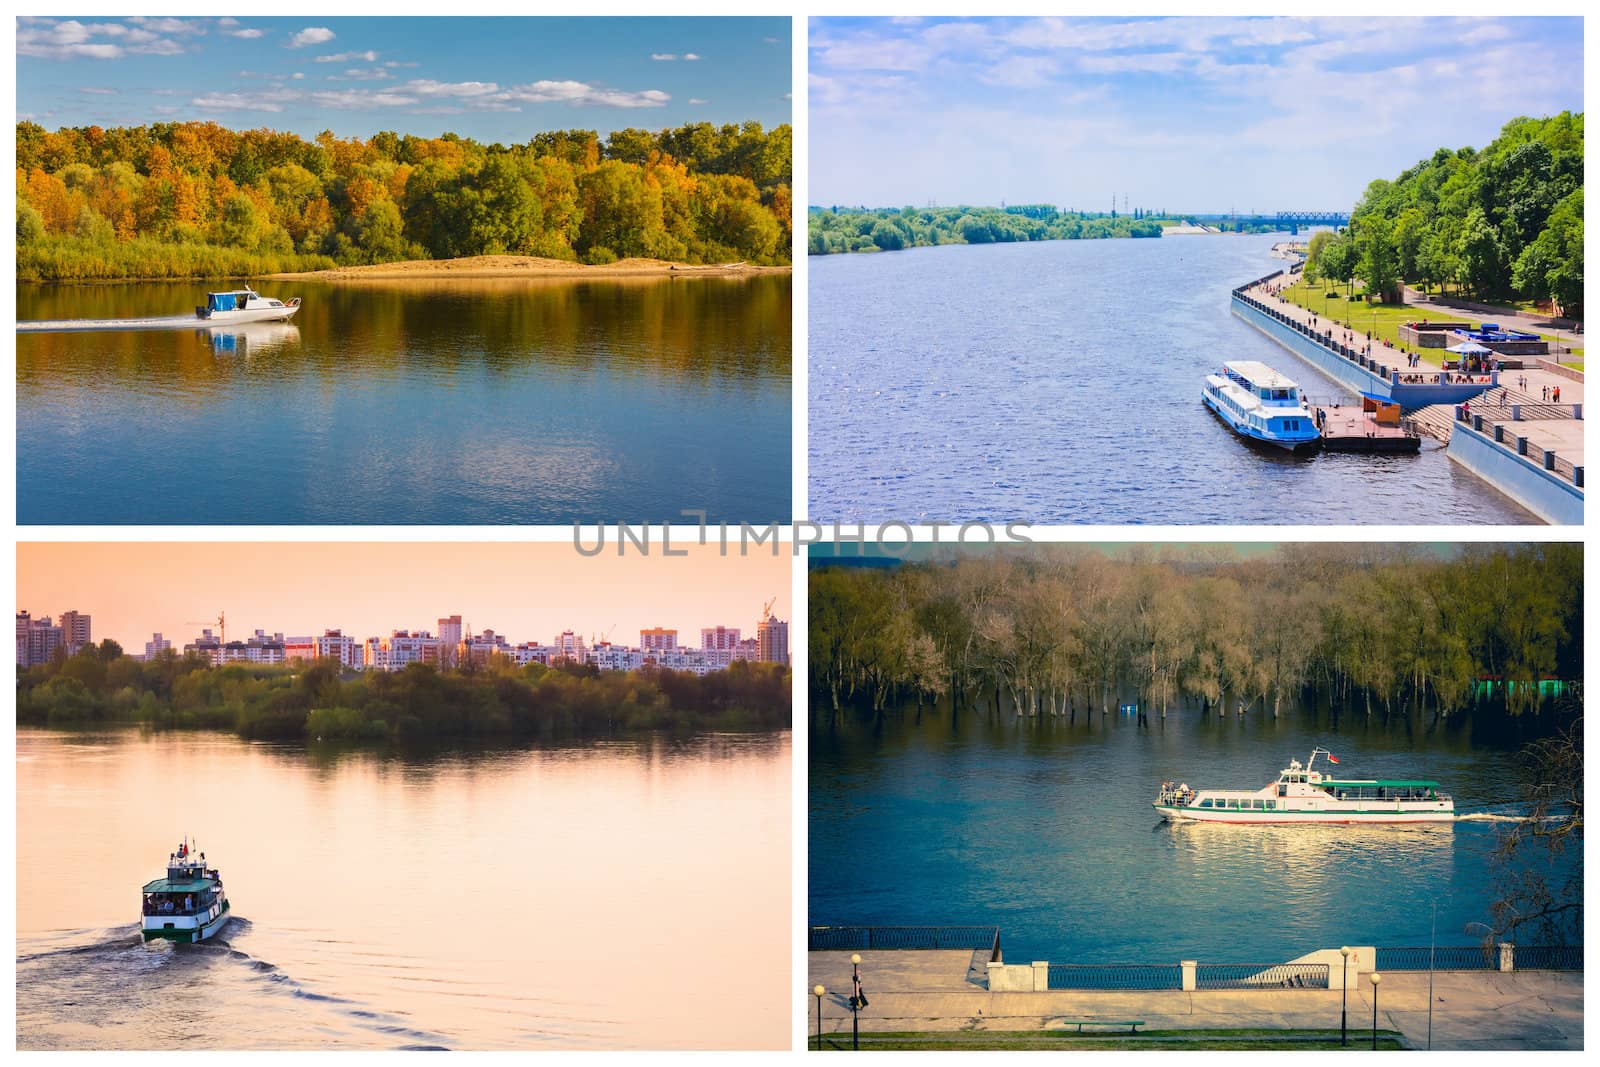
[[818, 991], [855, 1002], [1375, 976], [1433, 929], [1344, 997]]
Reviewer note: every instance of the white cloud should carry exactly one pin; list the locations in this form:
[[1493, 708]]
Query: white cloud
[[309, 36], [689, 57], [361, 74], [424, 87], [71, 39], [100, 92], [582, 94], [1022, 72], [349, 57], [178, 26], [297, 75], [697, 100], [248, 35], [662, 57], [270, 101], [491, 96], [361, 99]]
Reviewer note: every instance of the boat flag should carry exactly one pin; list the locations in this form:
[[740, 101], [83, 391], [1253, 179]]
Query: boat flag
[[1332, 758]]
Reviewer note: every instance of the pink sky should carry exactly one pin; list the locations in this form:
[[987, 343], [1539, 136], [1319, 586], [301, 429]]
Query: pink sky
[[529, 592]]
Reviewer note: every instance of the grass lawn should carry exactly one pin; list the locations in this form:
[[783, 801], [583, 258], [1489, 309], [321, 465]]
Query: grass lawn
[[1194, 1040], [1385, 320]]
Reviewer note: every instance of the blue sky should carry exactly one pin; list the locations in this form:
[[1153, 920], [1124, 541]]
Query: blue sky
[[1187, 114], [494, 79]]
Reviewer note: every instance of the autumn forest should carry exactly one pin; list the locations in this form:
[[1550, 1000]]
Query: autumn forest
[[196, 199]]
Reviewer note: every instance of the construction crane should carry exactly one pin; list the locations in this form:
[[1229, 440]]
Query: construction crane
[[766, 611], [222, 625]]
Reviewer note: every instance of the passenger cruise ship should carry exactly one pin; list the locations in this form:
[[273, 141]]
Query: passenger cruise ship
[[188, 905], [1302, 795], [1260, 404]]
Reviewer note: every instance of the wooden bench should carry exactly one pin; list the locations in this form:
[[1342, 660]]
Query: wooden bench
[[1132, 1024]]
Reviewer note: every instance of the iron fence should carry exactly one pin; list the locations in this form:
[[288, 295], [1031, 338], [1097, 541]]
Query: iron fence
[[838, 938], [1116, 976], [1261, 976], [1444, 958], [1548, 957]]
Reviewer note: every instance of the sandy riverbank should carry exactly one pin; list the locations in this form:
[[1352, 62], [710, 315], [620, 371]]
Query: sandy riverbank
[[528, 267]]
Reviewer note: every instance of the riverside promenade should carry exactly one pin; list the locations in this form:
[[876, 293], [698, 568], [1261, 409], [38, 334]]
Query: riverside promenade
[[1527, 386], [1507, 427], [943, 991]]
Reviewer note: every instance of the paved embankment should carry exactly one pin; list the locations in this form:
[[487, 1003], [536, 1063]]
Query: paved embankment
[[944, 991], [1513, 433]]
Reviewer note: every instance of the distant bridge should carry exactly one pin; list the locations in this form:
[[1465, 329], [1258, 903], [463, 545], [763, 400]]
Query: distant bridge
[[1282, 220]]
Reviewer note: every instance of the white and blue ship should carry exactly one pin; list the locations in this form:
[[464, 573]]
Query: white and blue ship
[[1260, 404]]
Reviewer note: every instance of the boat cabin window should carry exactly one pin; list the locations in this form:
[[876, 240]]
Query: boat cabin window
[[1206, 803], [1272, 805]]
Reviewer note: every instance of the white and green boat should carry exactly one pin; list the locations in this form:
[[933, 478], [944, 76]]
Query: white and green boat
[[188, 905], [1304, 795]]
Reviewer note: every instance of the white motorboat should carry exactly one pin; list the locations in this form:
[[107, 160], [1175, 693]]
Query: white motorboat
[[244, 305]]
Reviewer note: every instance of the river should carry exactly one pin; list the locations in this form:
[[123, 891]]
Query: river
[[1046, 830], [1059, 382], [625, 894], [417, 402]]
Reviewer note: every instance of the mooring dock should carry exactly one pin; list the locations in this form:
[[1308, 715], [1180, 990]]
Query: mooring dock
[[1371, 427]]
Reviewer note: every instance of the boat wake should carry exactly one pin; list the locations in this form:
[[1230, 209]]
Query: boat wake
[[163, 322], [117, 984], [1490, 816]]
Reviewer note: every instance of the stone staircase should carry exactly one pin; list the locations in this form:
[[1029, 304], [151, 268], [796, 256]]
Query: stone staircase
[[1437, 420]]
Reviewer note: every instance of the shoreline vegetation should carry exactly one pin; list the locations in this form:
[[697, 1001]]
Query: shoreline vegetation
[[858, 229], [1503, 223], [527, 267], [199, 200], [99, 685], [1374, 629]]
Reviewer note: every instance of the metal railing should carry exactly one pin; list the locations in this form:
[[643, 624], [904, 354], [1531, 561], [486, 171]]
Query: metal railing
[[839, 938], [1261, 976], [1445, 958], [1547, 957], [1116, 976]]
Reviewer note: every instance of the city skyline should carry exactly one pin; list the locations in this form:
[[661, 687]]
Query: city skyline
[[1201, 114], [133, 590], [492, 79]]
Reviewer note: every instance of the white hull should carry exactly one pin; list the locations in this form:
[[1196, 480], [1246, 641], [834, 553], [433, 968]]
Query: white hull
[[1268, 818], [234, 318], [187, 929], [1300, 443]]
